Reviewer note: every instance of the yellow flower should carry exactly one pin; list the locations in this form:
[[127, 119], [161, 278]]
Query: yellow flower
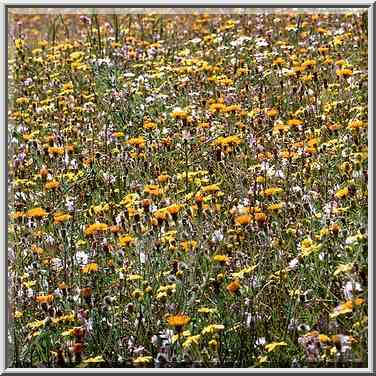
[[126, 240], [213, 344], [261, 359], [324, 338], [36, 250], [211, 188], [76, 55], [174, 209], [118, 134], [36, 324], [279, 126], [213, 328], [228, 141], [19, 43], [150, 125], [179, 114], [277, 206], [207, 310], [274, 191], [91, 267], [161, 296], [308, 246], [134, 277], [222, 259], [163, 178], [97, 359], [271, 346], [191, 340], [244, 272], [68, 332], [344, 72], [137, 294], [342, 193], [142, 360], [161, 215], [188, 245], [308, 64]]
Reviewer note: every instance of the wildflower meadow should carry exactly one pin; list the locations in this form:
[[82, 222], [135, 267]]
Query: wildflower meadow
[[188, 189]]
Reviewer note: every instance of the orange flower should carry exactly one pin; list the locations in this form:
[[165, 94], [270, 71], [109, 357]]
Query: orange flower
[[137, 141], [344, 72], [36, 250], [153, 190], [115, 229], [55, 150], [199, 198], [260, 217], [77, 348], [94, 228], [17, 215], [272, 113], [174, 209], [244, 219], [161, 215], [163, 178], [233, 287], [86, 292], [44, 299], [43, 171], [61, 217], [294, 122], [69, 148], [335, 228], [178, 321], [36, 213]]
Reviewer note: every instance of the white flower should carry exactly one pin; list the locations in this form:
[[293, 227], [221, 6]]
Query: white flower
[[350, 287], [260, 341], [293, 264], [196, 40], [81, 257], [217, 236], [262, 43], [129, 75]]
